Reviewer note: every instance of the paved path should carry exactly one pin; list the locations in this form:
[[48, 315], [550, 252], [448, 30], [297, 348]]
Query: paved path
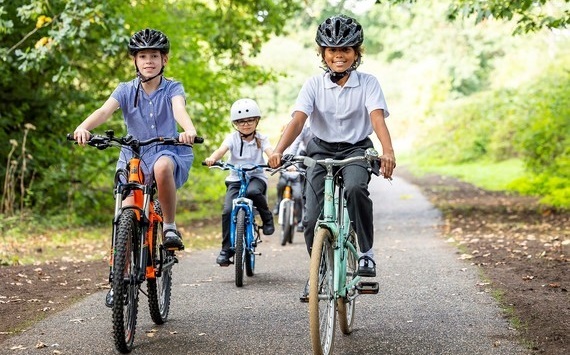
[[429, 302]]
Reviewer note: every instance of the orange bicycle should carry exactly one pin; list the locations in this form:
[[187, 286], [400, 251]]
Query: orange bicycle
[[137, 253]]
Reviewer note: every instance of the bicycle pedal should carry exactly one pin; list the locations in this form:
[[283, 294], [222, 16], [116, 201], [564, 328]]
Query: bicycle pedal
[[367, 288]]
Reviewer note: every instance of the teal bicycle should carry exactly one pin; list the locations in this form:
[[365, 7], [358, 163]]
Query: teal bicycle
[[333, 280]]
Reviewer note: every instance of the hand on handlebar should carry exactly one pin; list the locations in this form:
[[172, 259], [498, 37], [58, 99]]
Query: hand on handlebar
[[187, 137], [387, 166], [209, 161], [274, 160], [81, 136]]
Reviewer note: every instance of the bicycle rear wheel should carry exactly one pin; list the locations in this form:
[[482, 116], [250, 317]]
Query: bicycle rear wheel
[[322, 310], [346, 305], [240, 255], [125, 287], [160, 287], [287, 228]]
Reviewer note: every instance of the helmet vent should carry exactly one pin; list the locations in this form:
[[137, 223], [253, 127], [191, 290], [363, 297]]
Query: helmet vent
[[337, 27]]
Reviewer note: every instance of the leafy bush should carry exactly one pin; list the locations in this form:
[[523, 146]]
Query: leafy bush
[[544, 141], [531, 123]]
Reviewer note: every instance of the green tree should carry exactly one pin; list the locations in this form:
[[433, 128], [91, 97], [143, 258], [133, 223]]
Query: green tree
[[62, 58], [530, 15], [52, 60]]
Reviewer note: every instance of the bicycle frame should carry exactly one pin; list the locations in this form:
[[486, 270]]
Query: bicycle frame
[[335, 219], [143, 207]]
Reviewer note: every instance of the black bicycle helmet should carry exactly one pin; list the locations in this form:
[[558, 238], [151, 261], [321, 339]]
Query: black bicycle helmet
[[340, 31], [149, 39]]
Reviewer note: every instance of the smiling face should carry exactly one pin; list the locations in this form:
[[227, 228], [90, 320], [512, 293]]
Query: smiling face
[[246, 126], [149, 62], [339, 59]]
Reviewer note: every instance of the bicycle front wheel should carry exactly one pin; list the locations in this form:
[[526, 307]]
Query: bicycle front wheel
[[287, 228], [346, 305], [125, 287], [159, 288], [240, 255], [322, 303]]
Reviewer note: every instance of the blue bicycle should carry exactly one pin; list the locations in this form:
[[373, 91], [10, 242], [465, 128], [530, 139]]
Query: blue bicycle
[[244, 229]]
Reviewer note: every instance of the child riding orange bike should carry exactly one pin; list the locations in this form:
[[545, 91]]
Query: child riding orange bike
[[152, 106]]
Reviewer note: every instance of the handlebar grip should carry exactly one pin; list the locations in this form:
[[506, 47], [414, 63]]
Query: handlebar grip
[[198, 139], [204, 163], [70, 137]]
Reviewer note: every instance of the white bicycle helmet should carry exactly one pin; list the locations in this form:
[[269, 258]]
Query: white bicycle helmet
[[244, 108]]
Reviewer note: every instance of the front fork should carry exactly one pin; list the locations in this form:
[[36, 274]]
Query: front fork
[[142, 197], [247, 205]]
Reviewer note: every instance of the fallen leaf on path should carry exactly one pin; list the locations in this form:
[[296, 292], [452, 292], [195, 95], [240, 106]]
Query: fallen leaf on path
[[40, 345]]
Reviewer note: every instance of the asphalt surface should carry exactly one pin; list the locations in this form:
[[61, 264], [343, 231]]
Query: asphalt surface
[[430, 301]]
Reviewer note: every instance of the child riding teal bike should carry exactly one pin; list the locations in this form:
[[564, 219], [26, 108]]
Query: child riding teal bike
[[345, 106]]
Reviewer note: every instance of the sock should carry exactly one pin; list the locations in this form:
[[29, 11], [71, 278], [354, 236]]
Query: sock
[[369, 253], [167, 226]]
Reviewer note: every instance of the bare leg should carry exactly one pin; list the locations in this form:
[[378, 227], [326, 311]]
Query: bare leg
[[164, 175]]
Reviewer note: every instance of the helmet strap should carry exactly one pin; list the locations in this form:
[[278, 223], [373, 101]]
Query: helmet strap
[[142, 79], [242, 136], [336, 76]]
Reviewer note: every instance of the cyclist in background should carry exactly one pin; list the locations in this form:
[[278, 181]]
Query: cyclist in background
[[246, 146], [152, 106], [298, 180], [345, 106]]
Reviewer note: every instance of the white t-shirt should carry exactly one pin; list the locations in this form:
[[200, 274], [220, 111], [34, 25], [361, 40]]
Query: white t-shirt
[[341, 113], [250, 154]]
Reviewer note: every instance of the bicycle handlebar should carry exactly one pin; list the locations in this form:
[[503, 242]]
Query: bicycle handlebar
[[100, 141], [227, 166], [370, 155]]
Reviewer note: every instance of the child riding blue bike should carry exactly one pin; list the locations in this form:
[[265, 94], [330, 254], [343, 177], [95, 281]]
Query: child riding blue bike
[[246, 146]]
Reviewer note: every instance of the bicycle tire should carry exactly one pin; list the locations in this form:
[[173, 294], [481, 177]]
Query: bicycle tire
[[125, 288], [292, 223], [322, 303], [346, 307], [239, 248], [159, 288], [249, 261], [286, 228]]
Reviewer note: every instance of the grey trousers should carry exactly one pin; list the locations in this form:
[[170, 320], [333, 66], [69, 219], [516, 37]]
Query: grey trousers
[[356, 178]]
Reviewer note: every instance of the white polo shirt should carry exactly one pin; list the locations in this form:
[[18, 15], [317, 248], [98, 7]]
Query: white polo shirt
[[250, 154], [341, 113]]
